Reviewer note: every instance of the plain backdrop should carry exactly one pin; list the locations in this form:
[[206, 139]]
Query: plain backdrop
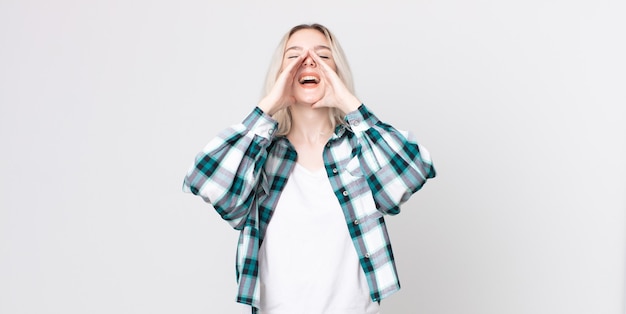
[[104, 104]]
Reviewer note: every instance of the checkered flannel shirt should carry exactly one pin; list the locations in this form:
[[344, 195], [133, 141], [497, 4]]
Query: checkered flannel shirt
[[372, 167]]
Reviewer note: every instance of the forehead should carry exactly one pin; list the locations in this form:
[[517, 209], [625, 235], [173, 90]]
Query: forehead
[[307, 38]]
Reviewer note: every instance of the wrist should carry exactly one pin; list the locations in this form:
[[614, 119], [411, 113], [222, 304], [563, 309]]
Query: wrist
[[350, 105], [267, 107]]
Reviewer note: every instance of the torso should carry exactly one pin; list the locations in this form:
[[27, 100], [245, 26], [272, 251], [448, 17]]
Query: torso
[[308, 263]]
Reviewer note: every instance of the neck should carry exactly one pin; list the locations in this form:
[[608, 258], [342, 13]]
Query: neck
[[310, 125]]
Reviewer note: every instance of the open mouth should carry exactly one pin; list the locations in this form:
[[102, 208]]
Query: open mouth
[[309, 80]]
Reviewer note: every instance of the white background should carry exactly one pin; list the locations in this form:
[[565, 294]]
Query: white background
[[104, 104]]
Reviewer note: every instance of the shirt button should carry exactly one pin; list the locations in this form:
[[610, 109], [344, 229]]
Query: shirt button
[[334, 170], [355, 122], [345, 193], [270, 132], [327, 144], [367, 255], [356, 221]]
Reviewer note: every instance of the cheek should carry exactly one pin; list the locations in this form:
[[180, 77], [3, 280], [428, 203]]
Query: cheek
[[332, 65], [283, 65]]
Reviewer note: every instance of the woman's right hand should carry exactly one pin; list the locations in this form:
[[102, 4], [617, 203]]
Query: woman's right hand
[[281, 94]]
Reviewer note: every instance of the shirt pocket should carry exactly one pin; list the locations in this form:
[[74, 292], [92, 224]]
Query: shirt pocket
[[355, 168], [369, 222]]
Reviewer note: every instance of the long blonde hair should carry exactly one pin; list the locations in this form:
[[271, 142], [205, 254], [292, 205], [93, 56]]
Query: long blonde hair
[[283, 116]]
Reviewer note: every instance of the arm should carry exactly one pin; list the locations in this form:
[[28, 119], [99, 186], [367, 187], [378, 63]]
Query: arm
[[394, 165], [226, 173]]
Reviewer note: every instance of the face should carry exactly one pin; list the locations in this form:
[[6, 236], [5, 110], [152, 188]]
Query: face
[[308, 86]]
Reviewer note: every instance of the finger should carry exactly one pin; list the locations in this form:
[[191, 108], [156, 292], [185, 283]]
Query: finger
[[288, 73], [325, 67], [295, 63]]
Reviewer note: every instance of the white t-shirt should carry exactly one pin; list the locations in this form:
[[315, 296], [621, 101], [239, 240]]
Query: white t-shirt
[[308, 264]]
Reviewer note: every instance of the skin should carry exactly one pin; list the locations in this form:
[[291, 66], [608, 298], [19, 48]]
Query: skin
[[307, 53]]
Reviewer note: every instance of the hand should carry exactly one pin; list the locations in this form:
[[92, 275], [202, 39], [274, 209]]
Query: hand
[[281, 94], [336, 94]]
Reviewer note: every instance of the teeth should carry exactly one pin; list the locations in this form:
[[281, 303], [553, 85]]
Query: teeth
[[309, 78]]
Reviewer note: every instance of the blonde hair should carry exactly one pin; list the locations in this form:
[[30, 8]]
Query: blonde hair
[[283, 116]]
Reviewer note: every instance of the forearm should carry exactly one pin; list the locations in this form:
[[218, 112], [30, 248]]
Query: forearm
[[226, 172], [393, 163]]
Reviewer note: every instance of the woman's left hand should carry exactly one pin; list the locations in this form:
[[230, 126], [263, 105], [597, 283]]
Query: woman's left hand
[[335, 94]]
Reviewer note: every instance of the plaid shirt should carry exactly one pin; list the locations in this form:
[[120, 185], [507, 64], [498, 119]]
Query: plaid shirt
[[372, 168]]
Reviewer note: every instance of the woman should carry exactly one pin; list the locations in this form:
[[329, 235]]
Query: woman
[[306, 178]]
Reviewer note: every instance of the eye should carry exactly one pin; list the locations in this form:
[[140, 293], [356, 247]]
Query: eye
[[324, 54], [291, 57]]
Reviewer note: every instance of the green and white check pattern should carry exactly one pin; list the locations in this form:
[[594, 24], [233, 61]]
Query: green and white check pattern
[[372, 167]]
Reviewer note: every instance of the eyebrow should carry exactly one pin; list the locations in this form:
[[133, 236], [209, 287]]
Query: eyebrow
[[318, 47]]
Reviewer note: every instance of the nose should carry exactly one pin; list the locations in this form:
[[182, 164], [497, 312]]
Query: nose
[[309, 62]]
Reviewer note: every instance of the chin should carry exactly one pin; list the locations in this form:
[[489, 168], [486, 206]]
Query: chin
[[307, 102], [308, 98]]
